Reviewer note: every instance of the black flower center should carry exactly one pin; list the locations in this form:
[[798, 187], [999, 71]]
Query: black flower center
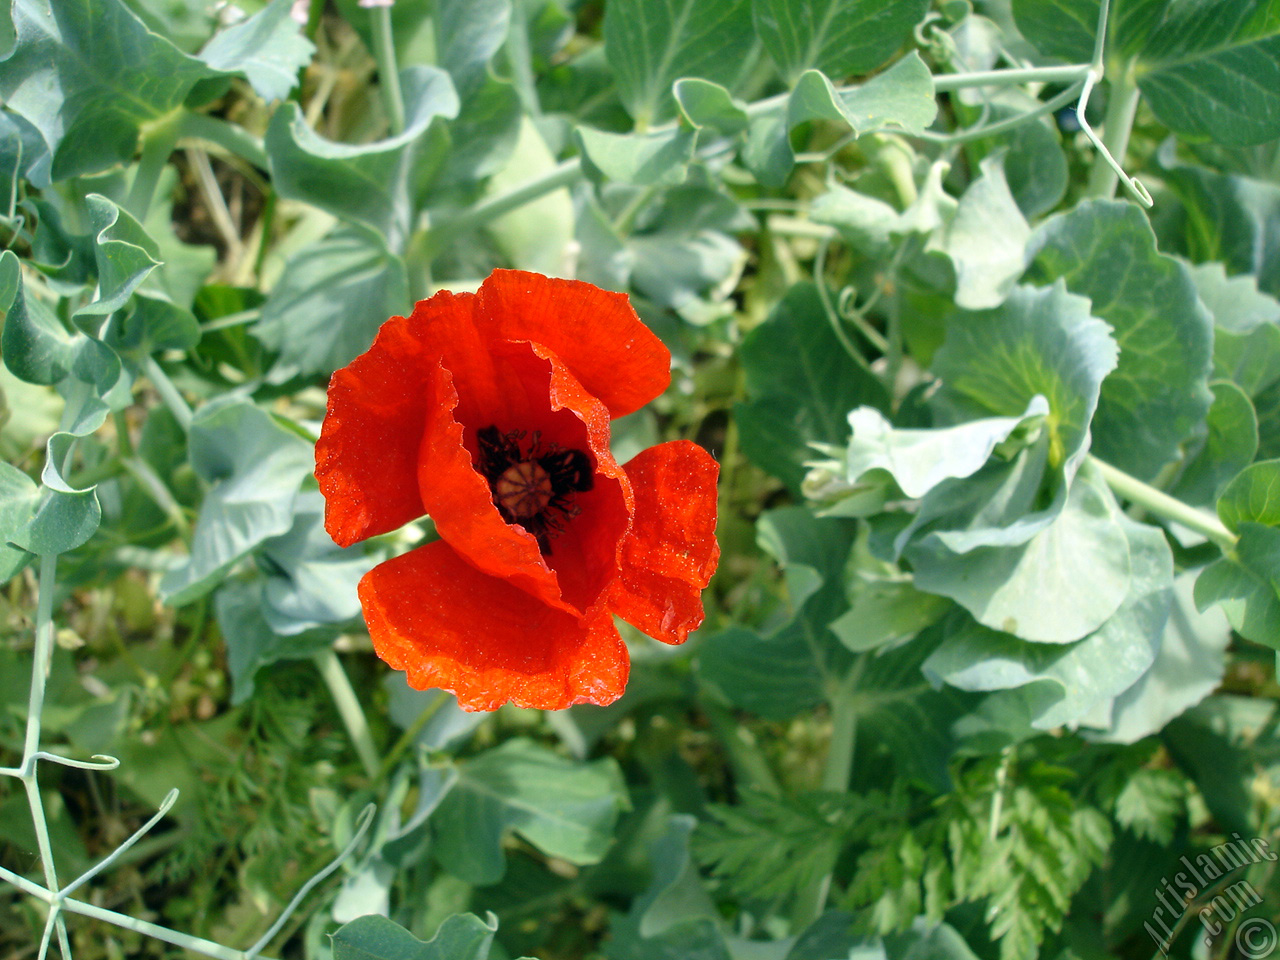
[[533, 484]]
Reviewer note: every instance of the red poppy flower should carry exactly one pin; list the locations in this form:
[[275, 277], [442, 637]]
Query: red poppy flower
[[490, 412]]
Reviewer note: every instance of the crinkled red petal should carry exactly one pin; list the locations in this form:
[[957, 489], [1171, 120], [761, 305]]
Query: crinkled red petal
[[596, 333], [446, 624], [671, 551], [367, 455], [539, 396]]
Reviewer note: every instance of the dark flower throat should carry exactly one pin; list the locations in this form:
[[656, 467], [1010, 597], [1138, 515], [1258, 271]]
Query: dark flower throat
[[533, 485]]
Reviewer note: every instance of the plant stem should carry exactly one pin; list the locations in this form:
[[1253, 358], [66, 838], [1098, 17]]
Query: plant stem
[[563, 175], [1160, 503], [844, 731], [353, 718], [384, 51], [168, 392], [1005, 78], [410, 735], [185, 941], [230, 137], [1117, 125], [157, 145], [42, 662]]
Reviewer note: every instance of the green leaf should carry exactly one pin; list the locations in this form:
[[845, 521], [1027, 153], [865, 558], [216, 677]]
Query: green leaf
[[22, 155], [773, 677], [918, 460], [1158, 393], [706, 104], [254, 466], [124, 254], [650, 43], [1151, 803], [768, 846], [18, 497], [268, 48], [1246, 337], [377, 184], [468, 34], [900, 97], [563, 808], [653, 159], [985, 239], [462, 936], [1214, 71], [1208, 71], [1252, 497], [1058, 585], [1244, 592], [838, 37], [864, 222], [88, 74], [38, 349], [1188, 667], [776, 676], [1089, 672], [1040, 341], [674, 918], [1229, 218], [1229, 447], [886, 611], [330, 301], [252, 643], [154, 323], [536, 235], [801, 384], [311, 581]]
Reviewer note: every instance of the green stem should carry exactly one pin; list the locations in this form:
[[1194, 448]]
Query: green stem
[[410, 736], [1122, 107], [232, 138], [185, 941], [384, 51], [1160, 503], [353, 718], [1005, 78], [844, 732], [42, 663], [157, 145], [168, 392], [563, 175], [1003, 126]]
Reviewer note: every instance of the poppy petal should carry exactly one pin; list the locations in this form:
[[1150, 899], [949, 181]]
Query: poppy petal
[[594, 332], [671, 552], [460, 502], [540, 397], [367, 454], [446, 624]]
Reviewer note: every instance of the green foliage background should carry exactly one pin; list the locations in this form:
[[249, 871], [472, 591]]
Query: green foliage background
[[991, 654]]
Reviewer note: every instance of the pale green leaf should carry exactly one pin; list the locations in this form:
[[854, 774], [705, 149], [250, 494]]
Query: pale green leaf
[[268, 48], [641, 159], [1059, 585], [565, 809], [1188, 666], [377, 184], [839, 37], [1158, 393], [253, 466], [651, 43], [462, 936], [88, 74], [1090, 671], [330, 301], [985, 239]]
